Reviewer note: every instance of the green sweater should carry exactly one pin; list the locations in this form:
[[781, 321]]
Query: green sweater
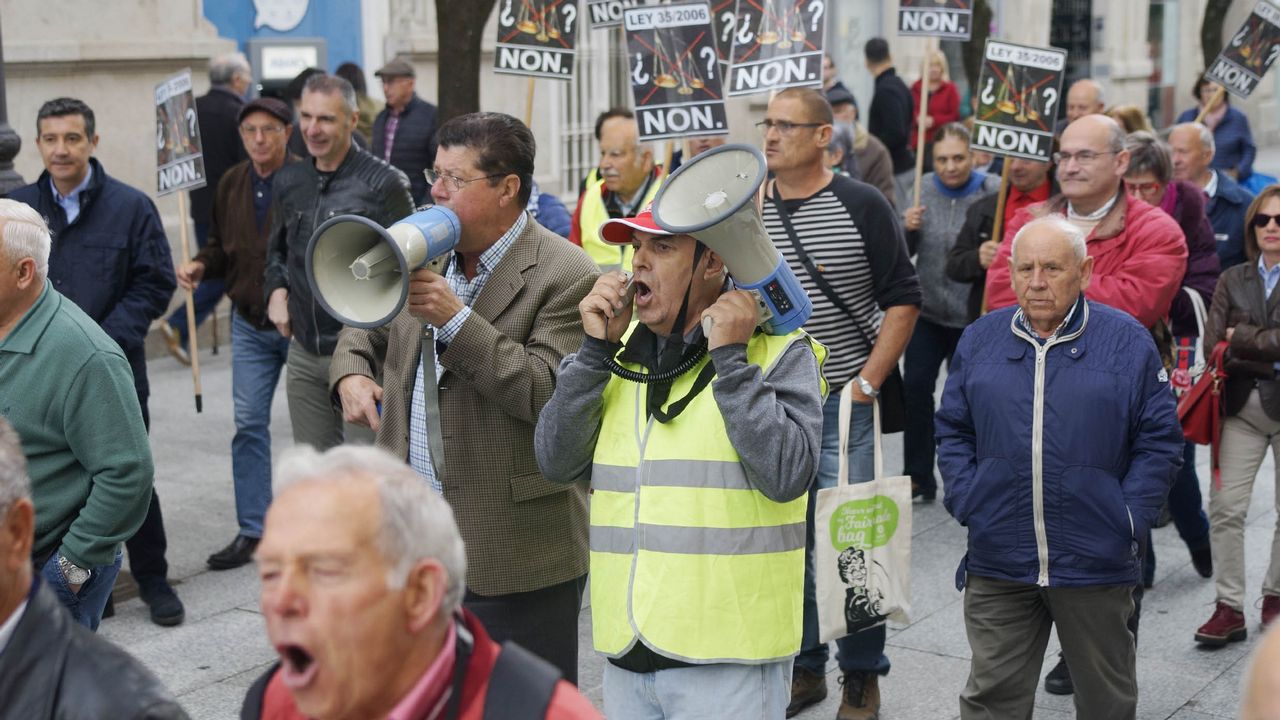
[[68, 391]]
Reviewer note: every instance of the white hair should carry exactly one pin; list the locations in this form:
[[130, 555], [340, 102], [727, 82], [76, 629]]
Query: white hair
[[1059, 225], [224, 68], [417, 524], [15, 484], [1206, 135], [25, 235]]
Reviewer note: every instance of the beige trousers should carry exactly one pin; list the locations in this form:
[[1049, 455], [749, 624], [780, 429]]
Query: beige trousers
[[1245, 439]]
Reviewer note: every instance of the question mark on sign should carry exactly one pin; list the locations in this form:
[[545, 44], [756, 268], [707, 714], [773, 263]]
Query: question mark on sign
[[817, 7], [1050, 97], [1275, 52], [745, 36], [726, 17], [638, 75], [1239, 37], [505, 18], [191, 122], [709, 54], [989, 98], [570, 14]]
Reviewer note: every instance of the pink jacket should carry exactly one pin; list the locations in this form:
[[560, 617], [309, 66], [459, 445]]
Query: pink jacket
[[1139, 258]]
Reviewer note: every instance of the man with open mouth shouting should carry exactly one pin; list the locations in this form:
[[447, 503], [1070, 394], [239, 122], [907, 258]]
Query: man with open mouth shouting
[[363, 571]]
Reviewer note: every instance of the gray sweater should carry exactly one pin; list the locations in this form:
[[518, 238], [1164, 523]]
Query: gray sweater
[[946, 302], [775, 424]]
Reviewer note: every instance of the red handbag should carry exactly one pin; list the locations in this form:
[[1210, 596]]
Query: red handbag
[[1200, 408]]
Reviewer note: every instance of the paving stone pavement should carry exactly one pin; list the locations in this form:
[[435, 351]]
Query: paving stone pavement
[[210, 660]]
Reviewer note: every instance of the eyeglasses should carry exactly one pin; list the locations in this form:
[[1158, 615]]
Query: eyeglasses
[[1261, 220], [268, 130], [1084, 157], [1146, 188], [782, 126], [455, 183]]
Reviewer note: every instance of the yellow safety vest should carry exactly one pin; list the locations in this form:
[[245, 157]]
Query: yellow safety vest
[[686, 555], [594, 214]]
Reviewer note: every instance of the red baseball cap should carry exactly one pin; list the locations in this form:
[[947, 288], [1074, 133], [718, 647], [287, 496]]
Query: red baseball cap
[[617, 231]]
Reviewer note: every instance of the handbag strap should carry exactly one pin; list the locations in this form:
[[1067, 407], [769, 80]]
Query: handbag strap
[[813, 270], [1197, 306], [846, 419]]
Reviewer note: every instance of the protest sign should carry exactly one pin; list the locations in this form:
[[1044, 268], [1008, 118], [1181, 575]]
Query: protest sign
[[536, 38], [1250, 53], [1019, 90], [675, 77], [951, 19], [608, 13], [777, 44], [179, 159]]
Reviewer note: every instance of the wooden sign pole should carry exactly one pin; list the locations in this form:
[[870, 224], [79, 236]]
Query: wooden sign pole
[[192, 344], [924, 114], [1212, 104], [997, 223]]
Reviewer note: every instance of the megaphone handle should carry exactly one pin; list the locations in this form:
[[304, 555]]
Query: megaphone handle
[[708, 322], [431, 402]]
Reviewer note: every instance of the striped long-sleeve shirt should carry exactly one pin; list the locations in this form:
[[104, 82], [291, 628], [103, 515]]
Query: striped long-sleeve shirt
[[853, 237]]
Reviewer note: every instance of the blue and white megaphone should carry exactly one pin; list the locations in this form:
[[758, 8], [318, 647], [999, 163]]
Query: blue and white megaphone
[[712, 198], [359, 271]]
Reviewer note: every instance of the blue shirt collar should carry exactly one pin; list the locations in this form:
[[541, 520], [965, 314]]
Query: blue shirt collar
[[71, 200], [1067, 325], [1269, 277], [490, 258]]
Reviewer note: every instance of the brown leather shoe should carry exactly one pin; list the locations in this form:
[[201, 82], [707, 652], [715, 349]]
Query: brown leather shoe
[[861, 697], [807, 688]]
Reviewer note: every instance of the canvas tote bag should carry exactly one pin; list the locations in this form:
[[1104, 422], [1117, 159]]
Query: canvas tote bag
[[862, 543]]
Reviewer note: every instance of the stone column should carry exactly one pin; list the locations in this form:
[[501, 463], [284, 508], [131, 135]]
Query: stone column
[[10, 143]]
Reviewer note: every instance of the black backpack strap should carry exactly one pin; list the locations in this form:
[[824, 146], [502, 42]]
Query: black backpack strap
[[253, 699], [520, 686]]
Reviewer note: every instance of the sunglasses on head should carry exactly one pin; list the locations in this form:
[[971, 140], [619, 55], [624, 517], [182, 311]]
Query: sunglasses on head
[[1261, 220]]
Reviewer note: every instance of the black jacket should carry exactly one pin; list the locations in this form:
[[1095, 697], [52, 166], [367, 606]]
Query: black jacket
[[414, 148], [218, 112], [54, 669], [302, 199], [890, 118], [113, 261]]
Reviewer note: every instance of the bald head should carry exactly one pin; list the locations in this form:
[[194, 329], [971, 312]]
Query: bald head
[[1093, 162], [1191, 147], [1262, 684], [1084, 98]]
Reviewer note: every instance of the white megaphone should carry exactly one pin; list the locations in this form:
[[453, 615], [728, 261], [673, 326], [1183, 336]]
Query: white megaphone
[[712, 198], [359, 271]]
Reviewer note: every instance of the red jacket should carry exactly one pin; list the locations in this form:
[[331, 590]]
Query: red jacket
[[944, 107], [567, 703], [1139, 258]]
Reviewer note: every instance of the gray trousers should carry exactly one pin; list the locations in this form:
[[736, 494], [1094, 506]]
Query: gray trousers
[[1008, 627], [316, 419], [1246, 437]]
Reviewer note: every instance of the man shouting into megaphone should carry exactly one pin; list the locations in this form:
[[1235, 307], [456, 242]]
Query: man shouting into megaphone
[[699, 451]]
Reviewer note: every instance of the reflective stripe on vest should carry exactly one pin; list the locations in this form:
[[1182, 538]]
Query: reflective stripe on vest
[[685, 554], [594, 214]]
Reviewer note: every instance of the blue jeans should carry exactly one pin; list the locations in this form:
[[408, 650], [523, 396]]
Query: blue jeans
[[205, 296], [1186, 507], [863, 652], [721, 690], [930, 344], [85, 606], [257, 357]]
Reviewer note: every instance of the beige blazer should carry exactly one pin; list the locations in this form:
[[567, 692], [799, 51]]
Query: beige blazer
[[522, 532]]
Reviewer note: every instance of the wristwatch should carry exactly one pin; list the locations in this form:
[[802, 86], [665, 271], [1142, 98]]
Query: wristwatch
[[74, 574], [866, 388]]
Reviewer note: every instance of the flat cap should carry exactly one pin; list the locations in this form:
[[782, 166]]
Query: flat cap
[[269, 105], [396, 68]]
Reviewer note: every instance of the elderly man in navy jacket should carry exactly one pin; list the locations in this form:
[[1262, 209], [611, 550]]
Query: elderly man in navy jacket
[[110, 256], [1057, 440]]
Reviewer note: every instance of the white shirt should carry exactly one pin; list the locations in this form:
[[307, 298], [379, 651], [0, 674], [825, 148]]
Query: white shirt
[[6, 630], [1211, 187]]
